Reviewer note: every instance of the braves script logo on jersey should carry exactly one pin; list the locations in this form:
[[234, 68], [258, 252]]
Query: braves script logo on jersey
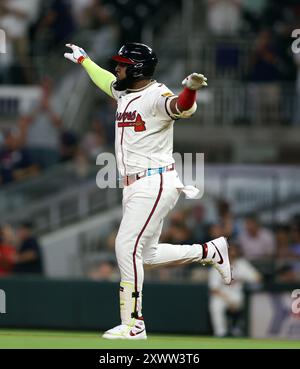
[[131, 119]]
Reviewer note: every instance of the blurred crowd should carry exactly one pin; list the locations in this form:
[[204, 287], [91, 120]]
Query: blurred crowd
[[35, 28], [20, 252], [39, 140], [273, 251], [253, 45]]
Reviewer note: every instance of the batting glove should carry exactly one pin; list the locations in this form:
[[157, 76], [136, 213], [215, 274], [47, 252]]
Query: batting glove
[[194, 81], [78, 55]]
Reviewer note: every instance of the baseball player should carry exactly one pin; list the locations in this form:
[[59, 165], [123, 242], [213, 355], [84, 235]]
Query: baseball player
[[146, 111], [229, 298]]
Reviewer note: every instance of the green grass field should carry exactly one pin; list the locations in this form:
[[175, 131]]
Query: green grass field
[[81, 340]]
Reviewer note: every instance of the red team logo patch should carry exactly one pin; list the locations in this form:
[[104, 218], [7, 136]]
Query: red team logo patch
[[131, 119]]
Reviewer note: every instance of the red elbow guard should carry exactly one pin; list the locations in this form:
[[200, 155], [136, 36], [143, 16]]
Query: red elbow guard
[[186, 99]]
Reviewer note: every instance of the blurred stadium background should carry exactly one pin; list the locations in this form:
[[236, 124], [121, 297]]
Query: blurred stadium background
[[54, 123]]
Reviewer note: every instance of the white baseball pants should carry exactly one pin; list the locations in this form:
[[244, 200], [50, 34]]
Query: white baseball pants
[[146, 203], [218, 307]]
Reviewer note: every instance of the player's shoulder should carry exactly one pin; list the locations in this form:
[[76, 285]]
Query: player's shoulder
[[160, 89]]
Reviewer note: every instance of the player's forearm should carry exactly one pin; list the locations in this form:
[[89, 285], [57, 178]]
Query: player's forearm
[[184, 101], [101, 77]]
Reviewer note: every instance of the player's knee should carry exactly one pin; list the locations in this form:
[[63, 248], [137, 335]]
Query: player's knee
[[149, 255], [148, 259], [147, 262]]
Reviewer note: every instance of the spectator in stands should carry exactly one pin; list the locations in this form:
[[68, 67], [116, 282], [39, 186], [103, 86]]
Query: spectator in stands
[[224, 224], [253, 13], [226, 300], [105, 29], [15, 160], [265, 71], [226, 219], [97, 14], [104, 116], [28, 259], [81, 12], [81, 164], [7, 250], [177, 231], [266, 63], [104, 271], [15, 19], [55, 26], [286, 274], [68, 146], [42, 130], [94, 141], [215, 230], [196, 222], [256, 242], [223, 17], [282, 242]]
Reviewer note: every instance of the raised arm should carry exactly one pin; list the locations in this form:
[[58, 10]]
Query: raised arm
[[101, 77]]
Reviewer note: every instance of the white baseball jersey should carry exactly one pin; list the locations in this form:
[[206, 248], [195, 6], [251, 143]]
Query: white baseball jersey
[[144, 128]]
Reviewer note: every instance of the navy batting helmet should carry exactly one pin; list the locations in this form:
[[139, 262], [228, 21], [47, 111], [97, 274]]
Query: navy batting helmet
[[141, 60]]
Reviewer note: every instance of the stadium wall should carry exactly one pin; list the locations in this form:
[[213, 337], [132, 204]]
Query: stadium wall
[[89, 305], [274, 311]]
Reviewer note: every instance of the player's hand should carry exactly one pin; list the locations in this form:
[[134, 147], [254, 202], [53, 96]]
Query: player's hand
[[77, 56], [195, 81]]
